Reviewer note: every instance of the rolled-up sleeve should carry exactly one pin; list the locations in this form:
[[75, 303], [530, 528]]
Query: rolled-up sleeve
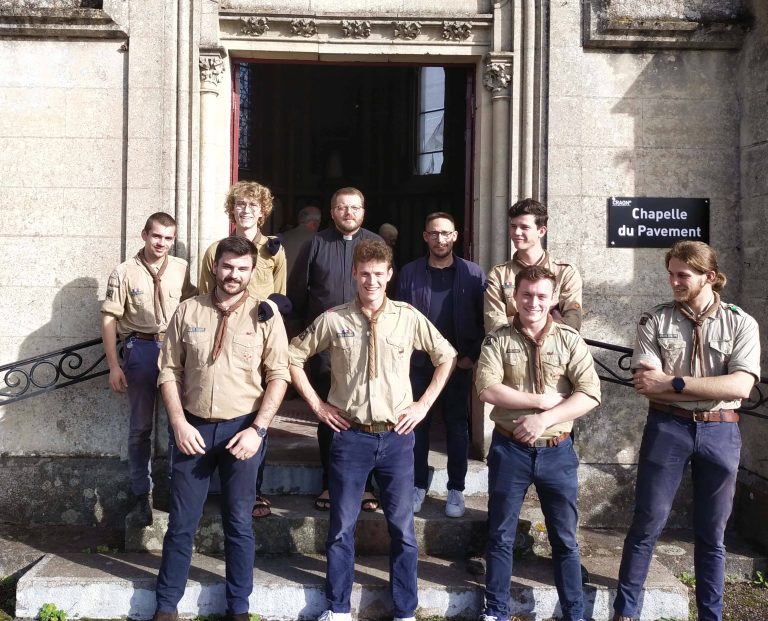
[[646, 346], [429, 339], [745, 355], [315, 338], [276, 357], [490, 368], [581, 370]]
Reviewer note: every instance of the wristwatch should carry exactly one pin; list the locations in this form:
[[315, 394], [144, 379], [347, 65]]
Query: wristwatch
[[261, 431], [678, 384]]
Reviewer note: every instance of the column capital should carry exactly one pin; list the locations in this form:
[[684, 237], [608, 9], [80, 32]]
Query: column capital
[[211, 65], [497, 74]]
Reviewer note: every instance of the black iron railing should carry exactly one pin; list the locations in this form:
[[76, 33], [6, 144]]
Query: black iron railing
[[618, 371], [57, 369]]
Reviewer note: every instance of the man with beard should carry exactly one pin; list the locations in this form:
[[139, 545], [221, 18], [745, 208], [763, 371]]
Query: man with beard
[[321, 279], [449, 291], [371, 411], [695, 359], [142, 295], [219, 349], [527, 228], [539, 376]]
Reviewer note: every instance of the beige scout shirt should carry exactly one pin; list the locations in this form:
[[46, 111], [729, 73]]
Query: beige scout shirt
[[269, 275], [345, 331], [231, 386], [131, 295], [499, 301], [507, 357], [731, 343]]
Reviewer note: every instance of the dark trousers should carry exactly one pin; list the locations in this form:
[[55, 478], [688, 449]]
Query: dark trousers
[[140, 369], [354, 454], [454, 404], [511, 471], [669, 444], [320, 374], [190, 475]]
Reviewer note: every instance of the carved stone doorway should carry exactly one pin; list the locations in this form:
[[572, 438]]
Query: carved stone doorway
[[402, 134]]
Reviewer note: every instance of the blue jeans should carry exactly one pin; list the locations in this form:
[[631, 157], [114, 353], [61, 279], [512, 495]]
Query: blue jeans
[[354, 454], [669, 444], [190, 475], [512, 469], [454, 403], [140, 369]]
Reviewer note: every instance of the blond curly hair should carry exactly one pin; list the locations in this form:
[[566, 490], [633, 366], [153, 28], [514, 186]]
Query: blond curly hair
[[251, 191]]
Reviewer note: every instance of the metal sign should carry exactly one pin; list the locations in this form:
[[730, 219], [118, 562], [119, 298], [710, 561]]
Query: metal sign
[[645, 222]]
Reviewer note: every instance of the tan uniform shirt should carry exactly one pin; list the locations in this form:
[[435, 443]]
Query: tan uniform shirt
[[131, 295], [507, 357], [231, 386], [731, 343], [499, 301], [345, 331], [268, 277]]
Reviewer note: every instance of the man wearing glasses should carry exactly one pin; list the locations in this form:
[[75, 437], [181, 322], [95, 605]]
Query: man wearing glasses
[[527, 228], [449, 291], [321, 279]]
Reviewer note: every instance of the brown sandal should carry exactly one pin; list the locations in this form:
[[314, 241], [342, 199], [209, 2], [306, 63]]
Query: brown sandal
[[259, 506]]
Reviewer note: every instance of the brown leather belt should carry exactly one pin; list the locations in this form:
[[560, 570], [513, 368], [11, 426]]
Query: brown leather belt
[[372, 428], [539, 442], [697, 416], [146, 336]]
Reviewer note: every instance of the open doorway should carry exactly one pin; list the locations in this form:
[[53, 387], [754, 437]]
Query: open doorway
[[401, 134]]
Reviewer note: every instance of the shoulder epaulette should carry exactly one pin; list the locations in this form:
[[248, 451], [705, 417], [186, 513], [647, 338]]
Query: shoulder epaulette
[[273, 245]]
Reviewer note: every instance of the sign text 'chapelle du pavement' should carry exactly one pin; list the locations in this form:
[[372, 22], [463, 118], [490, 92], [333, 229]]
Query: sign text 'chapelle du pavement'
[[646, 222]]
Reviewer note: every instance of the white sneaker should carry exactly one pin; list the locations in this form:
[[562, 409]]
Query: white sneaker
[[404, 619], [329, 615], [454, 506], [418, 498]]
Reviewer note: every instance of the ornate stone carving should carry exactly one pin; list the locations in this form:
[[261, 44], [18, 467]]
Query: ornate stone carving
[[254, 26], [303, 27], [211, 70], [457, 31], [496, 76], [406, 30], [356, 29]]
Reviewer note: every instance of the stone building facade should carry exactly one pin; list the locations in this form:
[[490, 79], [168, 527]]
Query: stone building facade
[[111, 110]]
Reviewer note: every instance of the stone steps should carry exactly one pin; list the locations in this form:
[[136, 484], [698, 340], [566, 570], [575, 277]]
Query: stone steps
[[288, 588], [296, 527]]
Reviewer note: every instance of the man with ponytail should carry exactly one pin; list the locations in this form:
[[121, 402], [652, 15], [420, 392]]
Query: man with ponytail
[[695, 359]]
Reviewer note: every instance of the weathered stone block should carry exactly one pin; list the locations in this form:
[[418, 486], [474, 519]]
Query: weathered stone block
[[94, 113], [32, 112]]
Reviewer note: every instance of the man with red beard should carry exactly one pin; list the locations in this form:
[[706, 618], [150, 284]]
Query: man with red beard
[[142, 295], [695, 359], [219, 350]]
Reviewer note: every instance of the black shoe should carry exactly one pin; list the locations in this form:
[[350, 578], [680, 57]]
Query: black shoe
[[140, 516], [240, 616], [165, 616]]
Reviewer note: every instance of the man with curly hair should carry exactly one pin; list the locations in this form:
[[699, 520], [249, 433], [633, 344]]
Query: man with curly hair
[[248, 206]]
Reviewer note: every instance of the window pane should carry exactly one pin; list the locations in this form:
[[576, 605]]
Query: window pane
[[244, 151], [432, 132], [430, 163], [432, 89]]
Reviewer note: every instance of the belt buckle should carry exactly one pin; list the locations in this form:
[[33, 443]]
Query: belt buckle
[[698, 416], [540, 443]]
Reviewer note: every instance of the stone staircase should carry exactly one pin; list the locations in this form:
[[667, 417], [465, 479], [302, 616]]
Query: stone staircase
[[290, 566]]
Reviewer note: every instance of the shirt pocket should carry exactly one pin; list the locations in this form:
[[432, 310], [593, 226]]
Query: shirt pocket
[[553, 368], [672, 351], [198, 346], [244, 351], [397, 352], [719, 355], [515, 369], [342, 356]]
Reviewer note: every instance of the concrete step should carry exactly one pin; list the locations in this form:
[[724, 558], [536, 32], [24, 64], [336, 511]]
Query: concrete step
[[296, 527], [289, 588]]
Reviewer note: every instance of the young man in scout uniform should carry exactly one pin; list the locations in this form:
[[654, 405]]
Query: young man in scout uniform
[[321, 279], [449, 291], [527, 227], [248, 205], [539, 376], [371, 413], [218, 350], [142, 295], [695, 359]]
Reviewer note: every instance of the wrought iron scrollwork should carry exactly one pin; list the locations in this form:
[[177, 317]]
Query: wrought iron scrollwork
[[52, 371]]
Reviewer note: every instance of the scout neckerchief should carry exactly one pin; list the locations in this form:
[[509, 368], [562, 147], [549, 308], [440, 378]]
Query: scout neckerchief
[[538, 375], [156, 276], [372, 320], [225, 313], [698, 322]]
